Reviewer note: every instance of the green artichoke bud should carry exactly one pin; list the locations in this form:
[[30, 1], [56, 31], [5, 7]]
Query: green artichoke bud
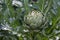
[[34, 19]]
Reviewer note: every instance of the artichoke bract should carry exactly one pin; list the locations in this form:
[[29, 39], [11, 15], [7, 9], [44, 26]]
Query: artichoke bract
[[34, 19]]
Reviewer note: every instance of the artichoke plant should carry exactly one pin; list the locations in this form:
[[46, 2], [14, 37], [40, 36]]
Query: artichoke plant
[[30, 19], [34, 19]]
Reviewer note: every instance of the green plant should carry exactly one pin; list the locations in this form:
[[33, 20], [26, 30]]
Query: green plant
[[43, 25]]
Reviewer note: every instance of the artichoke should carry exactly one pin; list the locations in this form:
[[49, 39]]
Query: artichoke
[[34, 19]]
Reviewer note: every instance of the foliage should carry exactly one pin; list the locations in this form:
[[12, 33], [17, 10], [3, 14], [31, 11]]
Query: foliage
[[12, 22]]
